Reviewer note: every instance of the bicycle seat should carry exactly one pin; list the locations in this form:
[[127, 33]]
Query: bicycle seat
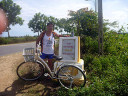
[[57, 57]]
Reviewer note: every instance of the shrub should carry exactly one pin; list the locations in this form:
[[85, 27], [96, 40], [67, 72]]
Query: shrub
[[3, 41], [88, 58], [107, 75], [89, 45], [10, 40]]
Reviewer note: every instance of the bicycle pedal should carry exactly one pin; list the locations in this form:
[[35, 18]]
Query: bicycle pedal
[[52, 73], [46, 74], [54, 78]]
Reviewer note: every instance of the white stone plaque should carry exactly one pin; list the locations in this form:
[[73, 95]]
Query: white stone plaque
[[68, 48]]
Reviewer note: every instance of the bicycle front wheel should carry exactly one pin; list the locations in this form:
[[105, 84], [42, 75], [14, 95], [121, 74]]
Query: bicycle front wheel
[[71, 76], [30, 71]]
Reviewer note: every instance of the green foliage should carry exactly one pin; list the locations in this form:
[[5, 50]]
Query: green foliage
[[39, 22], [89, 24], [66, 25], [74, 92], [107, 75], [10, 40], [83, 22], [108, 25], [89, 45], [122, 30], [3, 41], [115, 43]]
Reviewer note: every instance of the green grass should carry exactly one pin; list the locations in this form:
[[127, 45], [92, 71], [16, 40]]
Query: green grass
[[11, 40]]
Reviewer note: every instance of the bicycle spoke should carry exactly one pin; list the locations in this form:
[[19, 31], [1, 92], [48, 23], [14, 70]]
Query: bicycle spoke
[[71, 76], [64, 73], [71, 83], [30, 70]]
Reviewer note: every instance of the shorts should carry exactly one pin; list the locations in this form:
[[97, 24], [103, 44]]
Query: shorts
[[46, 56]]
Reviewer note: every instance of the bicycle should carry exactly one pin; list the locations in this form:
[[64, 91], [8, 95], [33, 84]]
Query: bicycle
[[32, 69]]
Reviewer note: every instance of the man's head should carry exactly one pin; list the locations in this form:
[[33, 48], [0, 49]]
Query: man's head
[[50, 26]]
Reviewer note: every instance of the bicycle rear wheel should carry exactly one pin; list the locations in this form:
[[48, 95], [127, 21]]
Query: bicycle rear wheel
[[30, 71], [71, 76]]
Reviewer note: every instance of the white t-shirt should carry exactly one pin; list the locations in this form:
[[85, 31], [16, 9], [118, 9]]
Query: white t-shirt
[[48, 44]]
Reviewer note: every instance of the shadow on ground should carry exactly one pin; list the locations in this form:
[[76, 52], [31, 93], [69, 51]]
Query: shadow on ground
[[42, 87]]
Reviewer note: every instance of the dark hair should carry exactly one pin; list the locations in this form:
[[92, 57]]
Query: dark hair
[[50, 23]]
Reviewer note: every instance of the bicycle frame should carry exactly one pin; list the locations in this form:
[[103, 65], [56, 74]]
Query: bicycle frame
[[44, 63]]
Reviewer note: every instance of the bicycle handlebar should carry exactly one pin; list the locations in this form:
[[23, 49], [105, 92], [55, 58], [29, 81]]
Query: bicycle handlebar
[[38, 50]]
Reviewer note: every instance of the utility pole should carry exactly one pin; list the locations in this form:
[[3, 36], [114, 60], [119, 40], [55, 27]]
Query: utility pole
[[100, 22], [95, 5]]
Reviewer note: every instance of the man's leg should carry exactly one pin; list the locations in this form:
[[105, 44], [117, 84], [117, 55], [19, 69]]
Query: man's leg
[[50, 63]]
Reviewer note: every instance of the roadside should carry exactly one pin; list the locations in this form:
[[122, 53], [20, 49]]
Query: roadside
[[13, 48], [13, 40], [17, 43]]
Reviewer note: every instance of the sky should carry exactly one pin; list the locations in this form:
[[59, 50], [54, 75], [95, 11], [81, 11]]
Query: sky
[[113, 10]]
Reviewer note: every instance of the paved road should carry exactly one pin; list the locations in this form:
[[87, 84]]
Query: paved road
[[13, 48]]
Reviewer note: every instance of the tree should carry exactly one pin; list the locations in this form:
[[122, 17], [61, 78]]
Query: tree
[[12, 11], [80, 22], [54, 21], [65, 25], [108, 25], [39, 21], [122, 30], [84, 22]]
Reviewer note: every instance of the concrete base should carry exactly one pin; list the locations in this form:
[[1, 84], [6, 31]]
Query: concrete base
[[75, 73]]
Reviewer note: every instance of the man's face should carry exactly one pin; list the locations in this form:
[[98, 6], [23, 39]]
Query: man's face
[[50, 27]]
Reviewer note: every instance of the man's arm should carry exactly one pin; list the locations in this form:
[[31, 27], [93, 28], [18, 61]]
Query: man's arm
[[57, 35], [39, 38]]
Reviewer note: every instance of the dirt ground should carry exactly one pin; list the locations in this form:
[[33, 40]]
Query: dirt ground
[[11, 85], [8, 75]]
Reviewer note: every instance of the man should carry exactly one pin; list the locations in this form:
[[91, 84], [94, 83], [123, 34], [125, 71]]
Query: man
[[47, 43]]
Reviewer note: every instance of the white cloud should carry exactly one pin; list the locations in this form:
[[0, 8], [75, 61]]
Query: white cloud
[[58, 10], [62, 10], [120, 15], [27, 11], [116, 10]]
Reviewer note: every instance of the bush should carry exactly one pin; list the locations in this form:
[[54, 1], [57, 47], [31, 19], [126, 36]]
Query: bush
[[107, 75], [10, 40], [89, 45], [88, 58], [3, 41]]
